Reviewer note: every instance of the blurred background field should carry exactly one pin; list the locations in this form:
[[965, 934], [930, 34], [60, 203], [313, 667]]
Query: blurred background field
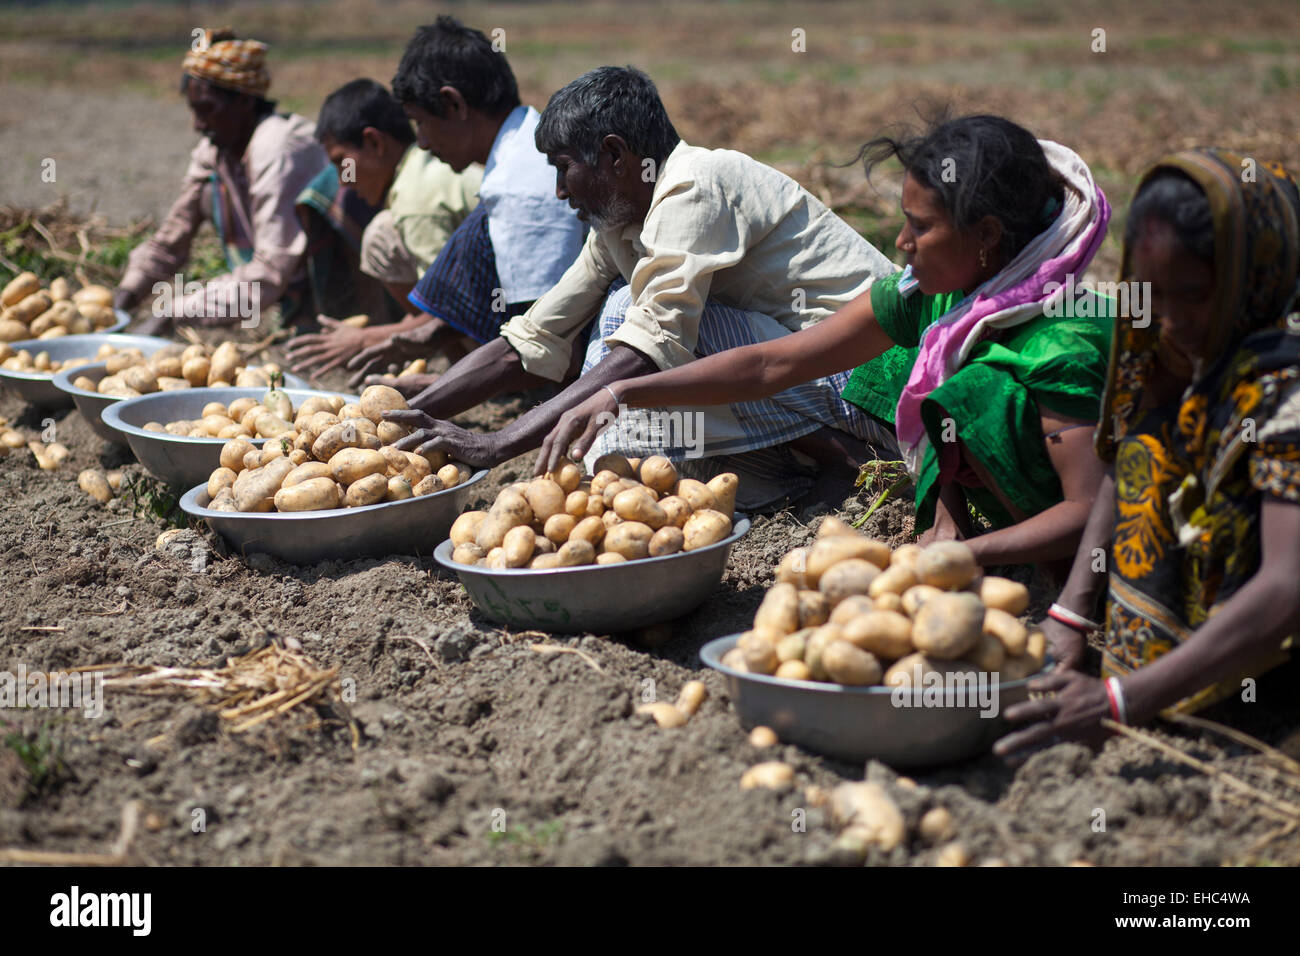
[[94, 86]]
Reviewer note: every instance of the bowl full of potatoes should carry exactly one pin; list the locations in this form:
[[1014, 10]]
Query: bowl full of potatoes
[[630, 546], [860, 651], [129, 366]]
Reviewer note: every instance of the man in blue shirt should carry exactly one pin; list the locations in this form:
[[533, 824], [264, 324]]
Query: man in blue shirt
[[463, 99]]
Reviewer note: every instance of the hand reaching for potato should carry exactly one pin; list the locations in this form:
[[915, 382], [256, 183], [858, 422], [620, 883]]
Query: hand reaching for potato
[[576, 431], [428, 435]]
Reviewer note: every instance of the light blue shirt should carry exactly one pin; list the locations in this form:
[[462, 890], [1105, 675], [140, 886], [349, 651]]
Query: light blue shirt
[[535, 236]]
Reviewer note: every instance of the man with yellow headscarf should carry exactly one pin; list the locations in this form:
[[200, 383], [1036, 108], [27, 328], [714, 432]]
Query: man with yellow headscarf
[[244, 177]]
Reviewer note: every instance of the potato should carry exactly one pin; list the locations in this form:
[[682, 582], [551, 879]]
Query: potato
[[19, 288], [914, 597], [254, 490], [13, 439], [170, 366], [573, 553], [545, 497], [378, 399], [704, 528], [1009, 632], [312, 494], [886, 634], [518, 545], [847, 664], [575, 504], [792, 646], [851, 607], [691, 696], [1035, 646], [948, 625], [618, 464], [491, 531], [792, 568], [568, 476], [450, 476], [595, 506], [634, 505], [224, 363], [630, 539], [665, 715], [429, 484], [696, 494], [988, 654], [496, 559], [659, 473], [895, 580], [853, 576], [233, 452], [306, 472], [610, 557], [1004, 594], [119, 362], [724, 488], [95, 485], [760, 652], [513, 505], [465, 527], [94, 295], [390, 432], [793, 670], [832, 525], [12, 331], [602, 479], [353, 464], [366, 490], [667, 540], [814, 609], [908, 671], [468, 553], [772, 775], [42, 361], [27, 309], [676, 509], [949, 565], [825, 552], [866, 811], [221, 478], [114, 479], [299, 457], [612, 489], [889, 602], [590, 529], [100, 316], [778, 615], [252, 459]]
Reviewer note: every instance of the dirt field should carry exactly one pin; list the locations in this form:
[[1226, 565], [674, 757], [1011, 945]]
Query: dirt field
[[462, 723]]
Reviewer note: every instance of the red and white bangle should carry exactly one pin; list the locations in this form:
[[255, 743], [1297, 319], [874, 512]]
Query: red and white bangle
[[1067, 617], [1115, 693]]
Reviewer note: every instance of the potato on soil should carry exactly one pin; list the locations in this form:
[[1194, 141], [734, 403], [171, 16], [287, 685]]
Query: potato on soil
[[949, 565], [948, 626], [866, 809], [665, 715], [772, 775], [691, 696], [763, 737], [95, 485]]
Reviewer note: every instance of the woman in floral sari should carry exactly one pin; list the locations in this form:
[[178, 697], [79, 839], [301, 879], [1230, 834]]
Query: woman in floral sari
[[1201, 420]]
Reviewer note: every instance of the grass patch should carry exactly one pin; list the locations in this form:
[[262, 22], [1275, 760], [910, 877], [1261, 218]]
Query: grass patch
[[40, 751]]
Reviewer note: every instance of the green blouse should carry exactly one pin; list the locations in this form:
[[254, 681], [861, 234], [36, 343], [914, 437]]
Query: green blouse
[[1056, 363]]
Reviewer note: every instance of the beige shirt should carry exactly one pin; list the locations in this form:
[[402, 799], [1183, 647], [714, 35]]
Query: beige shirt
[[281, 159], [720, 226], [426, 202]]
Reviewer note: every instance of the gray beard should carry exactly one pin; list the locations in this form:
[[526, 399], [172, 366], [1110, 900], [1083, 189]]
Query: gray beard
[[616, 214]]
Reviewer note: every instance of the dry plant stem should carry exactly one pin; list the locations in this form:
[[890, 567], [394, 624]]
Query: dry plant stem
[[1245, 739], [131, 814], [554, 649], [1291, 810]]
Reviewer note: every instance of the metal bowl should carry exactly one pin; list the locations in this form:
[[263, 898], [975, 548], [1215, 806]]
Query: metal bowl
[[306, 537], [38, 388], [91, 405], [601, 599], [856, 724], [176, 459]]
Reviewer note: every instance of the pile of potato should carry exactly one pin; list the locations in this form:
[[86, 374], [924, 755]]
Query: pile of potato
[[629, 509], [848, 610], [331, 455], [172, 367], [31, 312]]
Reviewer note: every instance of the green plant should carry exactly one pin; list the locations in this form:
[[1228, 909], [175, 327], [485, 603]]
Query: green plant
[[531, 841], [875, 474], [153, 500], [41, 753]]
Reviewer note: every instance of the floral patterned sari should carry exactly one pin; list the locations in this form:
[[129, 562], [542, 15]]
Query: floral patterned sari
[[1191, 475]]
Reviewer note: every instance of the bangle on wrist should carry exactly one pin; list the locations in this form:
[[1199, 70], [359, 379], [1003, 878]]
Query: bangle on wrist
[[1070, 619], [1118, 706], [612, 395]]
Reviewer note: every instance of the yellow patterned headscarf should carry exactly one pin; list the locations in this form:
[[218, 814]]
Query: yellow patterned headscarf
[[232, 64]]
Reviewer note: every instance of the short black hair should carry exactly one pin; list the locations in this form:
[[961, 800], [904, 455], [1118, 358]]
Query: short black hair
[[1172, 197], [607, 100], [261, 105], [448, 53], [980, 166], [347, 112]]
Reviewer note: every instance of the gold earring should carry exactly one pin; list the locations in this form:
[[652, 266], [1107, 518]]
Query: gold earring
[[984, 259]]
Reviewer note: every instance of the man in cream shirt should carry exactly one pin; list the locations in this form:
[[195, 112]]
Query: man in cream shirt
[[692, 251]]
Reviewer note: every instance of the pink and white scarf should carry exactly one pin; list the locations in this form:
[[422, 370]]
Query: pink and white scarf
[[1015, 295]]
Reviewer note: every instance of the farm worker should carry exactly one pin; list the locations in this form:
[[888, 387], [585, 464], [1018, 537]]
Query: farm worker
[[692, 251], [421, 202], [461, 94], [997, 407], [1199, 522], [244, 177]]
